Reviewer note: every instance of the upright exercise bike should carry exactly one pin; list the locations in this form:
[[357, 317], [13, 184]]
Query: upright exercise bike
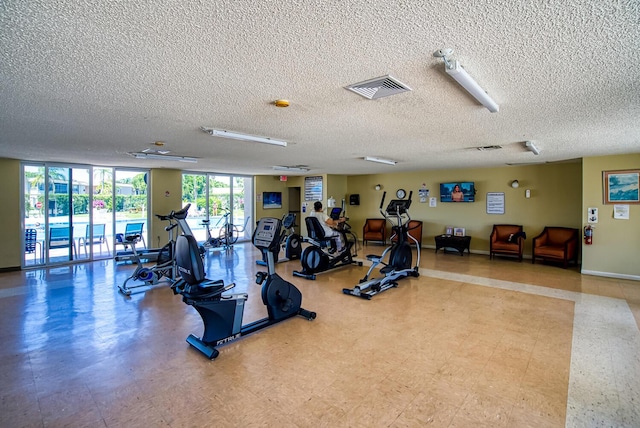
[[290, 242], [400, 256], [222, 313], [320, 256]]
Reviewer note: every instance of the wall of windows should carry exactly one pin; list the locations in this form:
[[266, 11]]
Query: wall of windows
[[72, 213], [221, 199]]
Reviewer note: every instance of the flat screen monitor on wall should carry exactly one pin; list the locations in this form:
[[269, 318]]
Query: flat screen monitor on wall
[[271, 200], [458, 191]]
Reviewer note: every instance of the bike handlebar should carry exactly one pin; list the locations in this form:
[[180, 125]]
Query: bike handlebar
[[181, 214]]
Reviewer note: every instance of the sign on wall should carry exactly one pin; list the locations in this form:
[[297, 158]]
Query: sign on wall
[[495, 203], [313, 188]]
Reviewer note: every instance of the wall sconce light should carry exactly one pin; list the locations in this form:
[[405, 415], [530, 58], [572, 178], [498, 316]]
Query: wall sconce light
[[515, 184], [378, 186]]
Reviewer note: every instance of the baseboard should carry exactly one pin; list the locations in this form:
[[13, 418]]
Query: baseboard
[[10, 269], [611, 275]]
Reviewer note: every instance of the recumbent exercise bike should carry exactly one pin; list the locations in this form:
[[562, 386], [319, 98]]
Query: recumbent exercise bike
[[400, 256], [222, 313], [318, 257]]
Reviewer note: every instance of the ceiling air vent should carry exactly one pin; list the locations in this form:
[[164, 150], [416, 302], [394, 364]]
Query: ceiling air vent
[[487, 148], [378, 87]]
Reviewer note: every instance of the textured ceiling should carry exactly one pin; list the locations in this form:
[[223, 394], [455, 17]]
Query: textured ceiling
[[89, 81]]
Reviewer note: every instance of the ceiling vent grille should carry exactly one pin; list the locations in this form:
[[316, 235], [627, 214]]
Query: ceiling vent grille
[[487, 148], [379, 87]]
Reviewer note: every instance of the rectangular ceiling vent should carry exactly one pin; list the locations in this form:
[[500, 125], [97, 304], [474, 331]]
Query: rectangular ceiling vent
[[379, 87], [487, 148]]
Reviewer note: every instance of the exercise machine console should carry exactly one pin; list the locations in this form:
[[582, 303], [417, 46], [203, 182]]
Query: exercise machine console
[[222, 313], [290, 242]]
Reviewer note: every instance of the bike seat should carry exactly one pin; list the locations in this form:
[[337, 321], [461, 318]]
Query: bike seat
[[132, 238]]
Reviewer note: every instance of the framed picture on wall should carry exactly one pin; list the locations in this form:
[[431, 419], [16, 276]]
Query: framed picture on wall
[[621, 187]]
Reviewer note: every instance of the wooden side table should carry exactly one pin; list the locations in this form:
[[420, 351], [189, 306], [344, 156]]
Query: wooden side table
[[459, 243]]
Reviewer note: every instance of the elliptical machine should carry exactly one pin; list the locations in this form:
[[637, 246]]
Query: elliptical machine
[[400, 256], [319, 256], [165, 266], [290, 242], [222, 314]]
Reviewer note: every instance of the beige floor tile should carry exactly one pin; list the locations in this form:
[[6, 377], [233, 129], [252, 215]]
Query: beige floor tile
[[431, 352]]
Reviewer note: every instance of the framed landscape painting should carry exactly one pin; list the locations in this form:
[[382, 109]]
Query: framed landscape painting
[[621, 187]]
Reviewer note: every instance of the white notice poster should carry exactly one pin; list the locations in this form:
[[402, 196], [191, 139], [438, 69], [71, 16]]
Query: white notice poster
[[495, 203]]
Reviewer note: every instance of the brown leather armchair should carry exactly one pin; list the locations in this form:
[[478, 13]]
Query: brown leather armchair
[[375, 229], [506, 240], [414, 228], [559, 244]]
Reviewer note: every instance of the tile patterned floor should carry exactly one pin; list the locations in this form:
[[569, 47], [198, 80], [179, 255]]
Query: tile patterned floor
[[470, 343]]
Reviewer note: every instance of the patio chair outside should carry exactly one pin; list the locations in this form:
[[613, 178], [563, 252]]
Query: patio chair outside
[[62, 237], [31, 243], [99, 237], [130, 230]]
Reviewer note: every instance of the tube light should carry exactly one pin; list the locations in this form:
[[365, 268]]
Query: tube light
[[243, 137], [290, 168], [456, 71], [163, 157], [380, 160], [529, 145]]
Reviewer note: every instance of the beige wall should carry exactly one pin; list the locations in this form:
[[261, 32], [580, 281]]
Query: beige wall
[[556, 200], [616, 243], [10, 250], [268, 183], [332, 186], [560, 196], [337, 188], [166, 196]]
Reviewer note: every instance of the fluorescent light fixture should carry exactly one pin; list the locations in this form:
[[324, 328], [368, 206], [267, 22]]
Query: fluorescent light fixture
[[290, 168], [380, 160], [243, 137], [163, 157], [455, 70], [529, 145]]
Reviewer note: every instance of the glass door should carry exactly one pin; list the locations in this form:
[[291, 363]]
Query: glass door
[[80, 214], [59, 240], [226, 202], [99, 238], [131, 202], [33, 185], [194, 192], [242, 206]]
